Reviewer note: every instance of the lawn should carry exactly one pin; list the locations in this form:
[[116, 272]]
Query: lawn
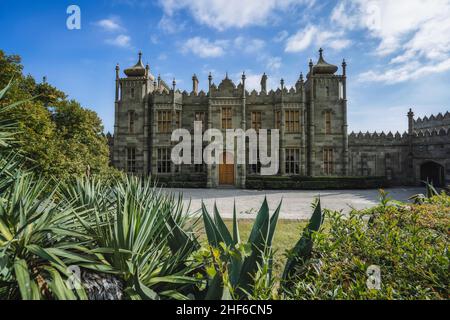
[[287, 233]]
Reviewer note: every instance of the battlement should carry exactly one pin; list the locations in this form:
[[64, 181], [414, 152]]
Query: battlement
[[437, 122], [377, 138], [253, 97]]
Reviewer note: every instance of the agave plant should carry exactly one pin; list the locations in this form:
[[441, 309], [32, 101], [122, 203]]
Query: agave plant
[[301, 252], [141, 235], [242, 260]]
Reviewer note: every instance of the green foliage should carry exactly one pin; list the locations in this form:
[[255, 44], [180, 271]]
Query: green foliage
[[408, 243], [234, 264], [58, 136], [301, 253]]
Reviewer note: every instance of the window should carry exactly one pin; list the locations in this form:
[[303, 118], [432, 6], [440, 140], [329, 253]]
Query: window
[[226, 118], [255, 168], [131, 160], [277, 119], [201, 116], [292, 161], [292, 121], [163, 161], [328, 161], [328, 122], [256, 120], [327, 89], [132, 93], [131, 121], [164, 121]]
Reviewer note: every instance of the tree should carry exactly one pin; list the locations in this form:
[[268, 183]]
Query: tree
[[59, 136]]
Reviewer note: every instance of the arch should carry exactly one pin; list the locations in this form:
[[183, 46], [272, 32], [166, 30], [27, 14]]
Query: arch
[[433, 172]]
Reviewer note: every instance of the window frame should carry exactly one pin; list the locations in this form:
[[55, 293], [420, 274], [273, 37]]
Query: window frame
[[163, 161], [292, 166], [328, 127], [256, 120], [292, 121], [328, 161], [131, 160], [227, 118], [164, 121]]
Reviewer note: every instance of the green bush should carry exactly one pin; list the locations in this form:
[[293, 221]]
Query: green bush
[[408, 243]]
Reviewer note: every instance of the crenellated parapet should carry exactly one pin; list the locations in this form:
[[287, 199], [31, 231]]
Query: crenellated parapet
[[439, 121], [382, 138]]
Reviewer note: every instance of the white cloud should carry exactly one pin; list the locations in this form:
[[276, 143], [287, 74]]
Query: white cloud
[[413, 34], [121, 40], [273, 63], [281, 36], [314, 35], [111, 24], [249, 46], [224, 14], [204, 48]]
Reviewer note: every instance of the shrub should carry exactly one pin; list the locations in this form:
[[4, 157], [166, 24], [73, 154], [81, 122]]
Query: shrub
[[408, 243]]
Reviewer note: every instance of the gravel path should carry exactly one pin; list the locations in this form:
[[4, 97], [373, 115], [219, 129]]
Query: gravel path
[[296, 204]]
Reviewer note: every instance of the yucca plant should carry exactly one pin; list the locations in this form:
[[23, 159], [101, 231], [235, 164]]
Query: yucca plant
[[141, 233], [241, 260], [35, 249]]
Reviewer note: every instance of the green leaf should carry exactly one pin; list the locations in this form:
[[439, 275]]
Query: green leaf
[[225, 235], [23, 279], [236, 237], [302, 250]]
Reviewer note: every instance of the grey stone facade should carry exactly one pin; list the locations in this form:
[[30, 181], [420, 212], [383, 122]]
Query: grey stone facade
[[311, 117]]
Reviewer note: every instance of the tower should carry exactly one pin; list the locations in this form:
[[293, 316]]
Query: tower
[[327, 120], [131, 129]]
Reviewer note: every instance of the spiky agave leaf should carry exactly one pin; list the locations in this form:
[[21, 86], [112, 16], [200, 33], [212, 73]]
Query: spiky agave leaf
[[303, 248]]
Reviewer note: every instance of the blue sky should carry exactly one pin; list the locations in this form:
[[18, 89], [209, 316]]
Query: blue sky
[[397, 51]]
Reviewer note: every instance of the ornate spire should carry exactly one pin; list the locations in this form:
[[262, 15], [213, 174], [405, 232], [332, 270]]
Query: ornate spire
[[344, 67], [321, 53]]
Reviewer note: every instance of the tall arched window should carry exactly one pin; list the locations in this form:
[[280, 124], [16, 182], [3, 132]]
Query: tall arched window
[[328, 122], [131, 121]]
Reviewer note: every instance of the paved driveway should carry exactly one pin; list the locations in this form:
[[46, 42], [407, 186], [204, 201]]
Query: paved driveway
[[296, 204]]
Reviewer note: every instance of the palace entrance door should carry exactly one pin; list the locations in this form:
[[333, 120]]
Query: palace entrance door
[[226, 170]]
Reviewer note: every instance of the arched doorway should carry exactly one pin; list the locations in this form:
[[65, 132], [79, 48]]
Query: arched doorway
[[226, 170], [432, 172]]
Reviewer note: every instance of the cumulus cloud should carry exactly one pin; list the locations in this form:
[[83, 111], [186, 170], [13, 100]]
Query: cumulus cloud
[[122, 41], [317, 36], [224, 14], [111, 24], [412, 34], [204, 48]]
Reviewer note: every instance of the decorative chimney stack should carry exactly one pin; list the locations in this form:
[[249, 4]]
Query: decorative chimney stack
[[195, 84], [264, 83], [410, 122], [117, 82]]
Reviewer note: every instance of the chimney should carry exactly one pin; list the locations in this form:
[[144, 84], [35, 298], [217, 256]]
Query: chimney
[[195, 84]]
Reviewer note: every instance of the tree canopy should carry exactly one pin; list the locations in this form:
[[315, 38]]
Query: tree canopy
[[57, 135]]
